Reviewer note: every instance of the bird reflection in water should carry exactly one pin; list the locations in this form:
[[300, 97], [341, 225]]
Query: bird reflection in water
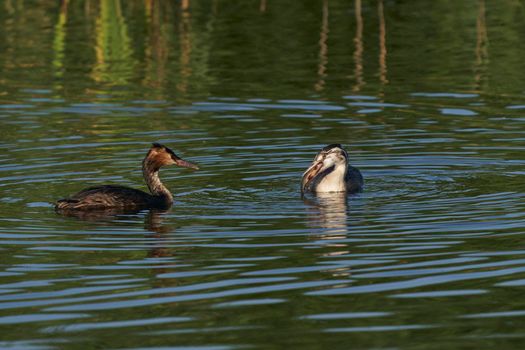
[[328, 211], [153, 222], [328, 216]]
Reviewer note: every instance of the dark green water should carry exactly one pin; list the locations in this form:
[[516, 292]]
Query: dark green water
[[427, 96]]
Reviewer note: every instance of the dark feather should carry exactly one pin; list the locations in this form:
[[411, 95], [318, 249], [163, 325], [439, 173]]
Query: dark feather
[[108, 196], [354, 180], [333, 145]]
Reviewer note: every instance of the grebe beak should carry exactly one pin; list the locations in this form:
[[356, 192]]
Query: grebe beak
[[182, 163], [311, 173]]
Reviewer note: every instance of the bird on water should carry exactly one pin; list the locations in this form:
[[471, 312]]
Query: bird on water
[[121, 197], [330, 172]]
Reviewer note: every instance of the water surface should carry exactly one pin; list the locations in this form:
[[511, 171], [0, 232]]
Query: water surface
[[427, 99]]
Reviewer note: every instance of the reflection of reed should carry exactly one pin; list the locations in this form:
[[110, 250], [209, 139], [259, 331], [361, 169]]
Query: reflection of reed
[[382, 43], [262, 6], [185, 49], [148, 7], [8, 6], [482, 56], [358, 42], [157, 50], [59, 40], [194, 49], [114, 54], [323, 49]]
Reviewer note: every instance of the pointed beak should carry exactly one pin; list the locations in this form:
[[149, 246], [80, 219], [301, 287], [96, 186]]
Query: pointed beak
[[182, 163], [310, 173]]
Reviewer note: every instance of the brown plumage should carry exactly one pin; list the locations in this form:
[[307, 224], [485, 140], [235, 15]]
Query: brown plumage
[[121, 197]]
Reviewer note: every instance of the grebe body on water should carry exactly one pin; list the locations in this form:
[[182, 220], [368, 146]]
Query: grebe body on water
[[121, 197], [330, 172]]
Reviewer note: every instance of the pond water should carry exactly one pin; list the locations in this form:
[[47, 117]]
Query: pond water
[[427, 97]]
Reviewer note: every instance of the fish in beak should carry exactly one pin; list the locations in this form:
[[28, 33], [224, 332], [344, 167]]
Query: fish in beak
[[310, 174]]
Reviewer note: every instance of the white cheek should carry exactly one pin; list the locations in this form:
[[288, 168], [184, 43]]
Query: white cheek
[[329, 162]]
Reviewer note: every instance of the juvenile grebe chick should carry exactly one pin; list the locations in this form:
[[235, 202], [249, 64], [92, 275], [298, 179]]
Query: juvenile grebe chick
[[121, 197], [330, 172]]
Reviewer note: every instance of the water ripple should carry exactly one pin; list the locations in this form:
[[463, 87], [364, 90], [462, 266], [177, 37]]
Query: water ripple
[[196, 296], [79, 327]]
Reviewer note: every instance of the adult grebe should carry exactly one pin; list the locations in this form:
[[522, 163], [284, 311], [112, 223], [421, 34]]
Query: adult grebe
[[121, 197], [330, 172]]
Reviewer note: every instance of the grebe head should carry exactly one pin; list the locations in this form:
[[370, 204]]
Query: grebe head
[[160, 155], [329, 167]]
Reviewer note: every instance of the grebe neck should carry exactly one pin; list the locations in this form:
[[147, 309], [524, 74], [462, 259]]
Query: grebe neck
[[334, 181], [150, 172]]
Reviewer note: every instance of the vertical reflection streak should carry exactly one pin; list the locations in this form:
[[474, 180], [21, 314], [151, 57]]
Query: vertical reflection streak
[[185, 48], [9, 8], [113, 48], [481, 47], [185, 5], [262, 6], [156, 51], [59, 40], [323, 49], [148, 6], [382, 44], [358, 52]]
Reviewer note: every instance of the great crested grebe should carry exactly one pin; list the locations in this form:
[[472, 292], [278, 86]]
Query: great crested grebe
[[330, 172], [121, 197]]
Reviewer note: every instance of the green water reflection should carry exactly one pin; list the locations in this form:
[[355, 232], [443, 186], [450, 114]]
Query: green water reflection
[[260, 48], [427, 96]]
